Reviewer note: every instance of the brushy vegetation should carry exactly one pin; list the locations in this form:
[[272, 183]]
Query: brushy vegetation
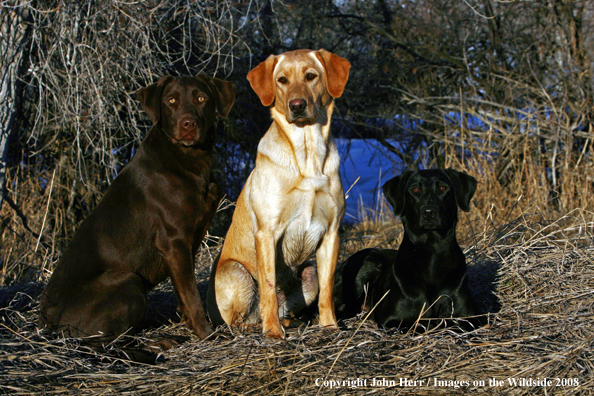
[[534, 275], [500, 90]]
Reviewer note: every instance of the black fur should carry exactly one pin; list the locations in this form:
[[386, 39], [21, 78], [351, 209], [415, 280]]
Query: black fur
[[428, 271]]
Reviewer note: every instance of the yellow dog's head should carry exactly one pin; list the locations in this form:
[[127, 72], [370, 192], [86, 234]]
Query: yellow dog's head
[[300, 83]]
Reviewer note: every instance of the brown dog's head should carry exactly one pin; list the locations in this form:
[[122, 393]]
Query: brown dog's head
[[185, 107], [300, 83], [429, 199]]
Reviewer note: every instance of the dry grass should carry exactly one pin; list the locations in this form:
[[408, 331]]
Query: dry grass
[[536, 276], [530, 259]]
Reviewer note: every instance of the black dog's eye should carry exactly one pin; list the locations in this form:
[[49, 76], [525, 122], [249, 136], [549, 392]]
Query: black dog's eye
[[443, 188], [283, 80], [310, 76], [415, 190]]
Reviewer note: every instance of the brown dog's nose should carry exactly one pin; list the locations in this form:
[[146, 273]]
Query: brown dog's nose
[[189, 123], [297, 105]]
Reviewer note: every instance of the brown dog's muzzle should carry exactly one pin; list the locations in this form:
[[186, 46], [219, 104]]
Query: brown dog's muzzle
[[189, 124], [188, 128], [187, 131]]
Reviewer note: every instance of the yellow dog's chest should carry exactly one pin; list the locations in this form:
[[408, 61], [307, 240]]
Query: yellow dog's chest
[[310, 211]]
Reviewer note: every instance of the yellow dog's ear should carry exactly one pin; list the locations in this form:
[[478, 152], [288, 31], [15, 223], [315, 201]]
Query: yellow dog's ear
[[337, 71], [260, 79]]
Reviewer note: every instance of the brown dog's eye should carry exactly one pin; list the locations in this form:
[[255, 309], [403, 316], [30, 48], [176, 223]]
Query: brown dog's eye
[[201, 98], [171, 100], [310, 76], [282, 80]]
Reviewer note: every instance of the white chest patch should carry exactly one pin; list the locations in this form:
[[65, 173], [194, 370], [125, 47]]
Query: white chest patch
[[310, 212]]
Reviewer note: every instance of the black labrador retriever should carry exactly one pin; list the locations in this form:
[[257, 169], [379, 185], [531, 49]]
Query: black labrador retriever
[[427, 274], [150, 222]]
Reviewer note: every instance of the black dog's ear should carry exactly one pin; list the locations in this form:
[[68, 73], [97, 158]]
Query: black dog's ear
[[150, 98], [394, 190], [464, 187], [225, 91]]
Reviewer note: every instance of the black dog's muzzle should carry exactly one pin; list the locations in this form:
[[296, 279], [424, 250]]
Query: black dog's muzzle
[[430, 217]]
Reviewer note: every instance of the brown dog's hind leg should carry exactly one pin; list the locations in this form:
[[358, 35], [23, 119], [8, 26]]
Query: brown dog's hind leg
[[110, 304]]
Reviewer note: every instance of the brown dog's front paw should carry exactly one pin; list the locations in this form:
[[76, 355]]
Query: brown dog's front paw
[[202, 331], [164, 344], [200, 328]]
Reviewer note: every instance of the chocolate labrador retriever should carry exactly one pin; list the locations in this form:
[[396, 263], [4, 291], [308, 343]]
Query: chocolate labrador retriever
[[150, 222], [426, 276]]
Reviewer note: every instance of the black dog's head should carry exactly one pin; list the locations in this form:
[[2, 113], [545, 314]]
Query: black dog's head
[[185, 107], [428, 199]]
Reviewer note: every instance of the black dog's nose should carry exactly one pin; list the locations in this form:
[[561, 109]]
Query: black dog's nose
[[189, 123], [297, 105], [429, 212]]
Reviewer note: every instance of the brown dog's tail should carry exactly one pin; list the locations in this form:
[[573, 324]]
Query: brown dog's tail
[[211, 298]]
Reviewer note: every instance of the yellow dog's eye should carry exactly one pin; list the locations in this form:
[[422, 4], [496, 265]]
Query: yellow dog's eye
[[310, 76], [201, 98], [171, 100], [282, 80]]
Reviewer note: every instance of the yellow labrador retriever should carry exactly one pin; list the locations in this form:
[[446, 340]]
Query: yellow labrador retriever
[[291, 204]]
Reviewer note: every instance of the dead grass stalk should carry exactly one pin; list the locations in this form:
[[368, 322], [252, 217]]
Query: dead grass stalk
[[536, 276]]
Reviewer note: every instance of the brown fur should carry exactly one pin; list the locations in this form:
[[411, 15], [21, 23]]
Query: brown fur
[[150, 222]]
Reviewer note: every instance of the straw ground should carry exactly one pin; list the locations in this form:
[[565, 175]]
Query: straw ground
[[536, 277]]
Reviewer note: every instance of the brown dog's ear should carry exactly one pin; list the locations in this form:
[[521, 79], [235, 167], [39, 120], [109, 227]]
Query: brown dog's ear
[[225, 91], [464, 187], [150, 98], [337, 71], [394, 191], [260, 79]]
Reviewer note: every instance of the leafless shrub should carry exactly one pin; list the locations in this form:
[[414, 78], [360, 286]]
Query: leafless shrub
[[501, 90], [80, 120]]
